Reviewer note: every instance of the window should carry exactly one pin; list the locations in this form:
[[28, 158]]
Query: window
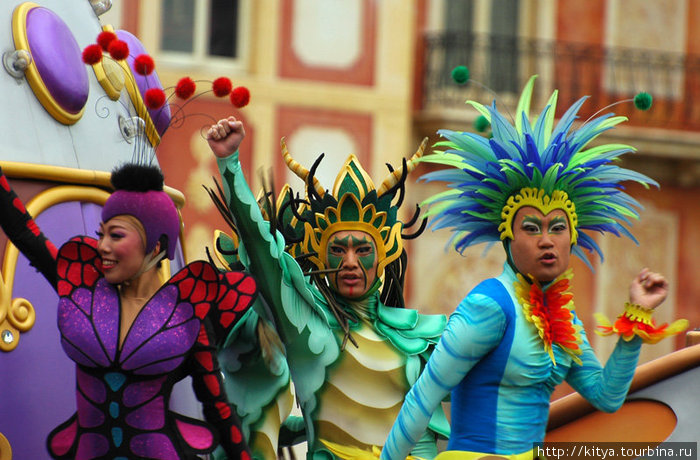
[[202, 30], [494, 50], [503, 65], [491, 38]]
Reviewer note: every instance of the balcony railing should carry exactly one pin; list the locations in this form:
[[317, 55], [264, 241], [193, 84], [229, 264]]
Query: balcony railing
[[500, 66]]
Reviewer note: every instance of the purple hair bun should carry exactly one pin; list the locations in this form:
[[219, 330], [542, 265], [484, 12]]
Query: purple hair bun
[[139, 193]]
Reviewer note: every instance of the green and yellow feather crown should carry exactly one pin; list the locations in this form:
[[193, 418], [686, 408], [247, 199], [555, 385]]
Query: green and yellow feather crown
[[533, 162]]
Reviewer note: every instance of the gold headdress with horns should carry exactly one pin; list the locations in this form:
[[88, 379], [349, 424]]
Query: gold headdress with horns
[[353, 204]]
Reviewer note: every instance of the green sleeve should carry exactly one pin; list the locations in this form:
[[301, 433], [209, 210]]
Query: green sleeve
[[261, 251], [300, 321]]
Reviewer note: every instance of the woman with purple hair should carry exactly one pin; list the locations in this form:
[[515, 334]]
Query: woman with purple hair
[[131, 336]]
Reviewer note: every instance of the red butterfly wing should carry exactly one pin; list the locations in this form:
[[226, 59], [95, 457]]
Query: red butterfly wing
[[223, 297], [78, 265], [237, 291]]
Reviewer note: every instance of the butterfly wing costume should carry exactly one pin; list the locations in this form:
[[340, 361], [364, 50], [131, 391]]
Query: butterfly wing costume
[[123, 391]]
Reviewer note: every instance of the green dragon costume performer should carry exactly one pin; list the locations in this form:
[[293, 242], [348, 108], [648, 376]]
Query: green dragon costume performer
[[345, 240], [536, 187]]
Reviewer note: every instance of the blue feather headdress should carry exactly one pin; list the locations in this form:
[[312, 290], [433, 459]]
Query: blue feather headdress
[[533, 163]]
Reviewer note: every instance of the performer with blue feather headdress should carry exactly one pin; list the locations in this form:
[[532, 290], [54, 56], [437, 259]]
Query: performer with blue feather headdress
[[535, 187]]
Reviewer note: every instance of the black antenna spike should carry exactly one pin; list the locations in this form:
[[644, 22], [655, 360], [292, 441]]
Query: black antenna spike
[[414, 218], [311, 190], [416, 234]]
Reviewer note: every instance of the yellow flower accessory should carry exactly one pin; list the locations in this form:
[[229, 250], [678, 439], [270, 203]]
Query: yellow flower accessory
[[637, 321]]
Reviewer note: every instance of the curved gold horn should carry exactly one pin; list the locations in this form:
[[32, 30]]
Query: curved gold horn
[[394, 176], [298, 169]]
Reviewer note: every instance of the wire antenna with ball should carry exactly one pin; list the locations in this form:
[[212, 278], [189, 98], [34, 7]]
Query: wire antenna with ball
[[642, 101], [461, 75]]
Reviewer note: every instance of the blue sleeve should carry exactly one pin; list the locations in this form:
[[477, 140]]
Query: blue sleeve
[[605, 387], [476, 327]]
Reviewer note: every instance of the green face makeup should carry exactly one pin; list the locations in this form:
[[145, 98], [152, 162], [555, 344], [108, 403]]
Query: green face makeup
[[365, 252], [337, 247], [355, 256], [363, 248], [532, 225], [558, 225]]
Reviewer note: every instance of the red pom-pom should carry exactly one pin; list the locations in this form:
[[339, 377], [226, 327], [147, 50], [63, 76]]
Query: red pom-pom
[[105, 38], [240, 96], [143, 64], [185, 88], [118, 49], [221, 87], [92, 54], [154, 98]]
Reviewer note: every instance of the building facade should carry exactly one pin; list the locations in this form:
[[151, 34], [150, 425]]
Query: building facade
[[373, 78]]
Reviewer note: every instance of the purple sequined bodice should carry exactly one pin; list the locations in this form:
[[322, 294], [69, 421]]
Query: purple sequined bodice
[[125, 392], [157, 342]]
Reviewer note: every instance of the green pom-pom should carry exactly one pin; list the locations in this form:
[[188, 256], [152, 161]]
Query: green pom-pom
[[460, 74], [643, 101], [481, 124]]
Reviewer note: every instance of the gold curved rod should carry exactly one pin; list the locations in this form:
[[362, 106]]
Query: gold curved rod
[[5, 448], [18, 315], [61, 174], [300, 171]]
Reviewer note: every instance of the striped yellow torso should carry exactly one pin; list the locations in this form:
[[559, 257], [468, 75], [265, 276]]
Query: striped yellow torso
[[363, 393]]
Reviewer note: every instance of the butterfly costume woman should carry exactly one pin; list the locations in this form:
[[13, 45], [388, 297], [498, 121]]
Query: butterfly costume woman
[[123, 389], [513, 339], [347, 392]]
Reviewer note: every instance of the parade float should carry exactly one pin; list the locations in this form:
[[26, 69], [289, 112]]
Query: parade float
[[65, 125], [660, 407]]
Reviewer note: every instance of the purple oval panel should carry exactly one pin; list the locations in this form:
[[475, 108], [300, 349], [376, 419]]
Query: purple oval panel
[[160, 117], [58, 59]]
